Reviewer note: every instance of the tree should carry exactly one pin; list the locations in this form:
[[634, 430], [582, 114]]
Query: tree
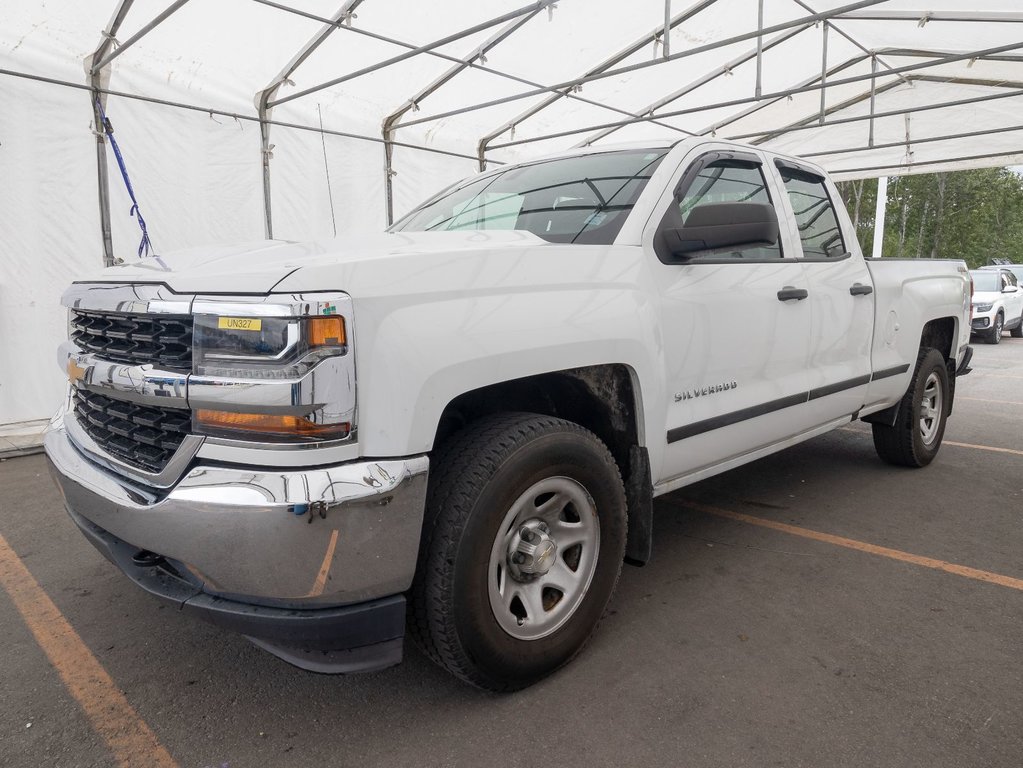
[[975, 215]]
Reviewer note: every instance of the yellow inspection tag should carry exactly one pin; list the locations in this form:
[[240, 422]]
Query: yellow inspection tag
[[240, 323]]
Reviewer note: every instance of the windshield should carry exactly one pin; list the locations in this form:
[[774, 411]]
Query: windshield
[[986, 281], [581, 199]]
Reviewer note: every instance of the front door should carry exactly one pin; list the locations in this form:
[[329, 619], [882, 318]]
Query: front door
[[736, 334]]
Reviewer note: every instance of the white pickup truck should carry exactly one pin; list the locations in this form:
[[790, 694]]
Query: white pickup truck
[[459, 426]]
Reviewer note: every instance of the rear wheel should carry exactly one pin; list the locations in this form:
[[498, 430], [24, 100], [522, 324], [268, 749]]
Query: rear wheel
[[914, 439], [523, 546], [1017, 332], [994, 336]]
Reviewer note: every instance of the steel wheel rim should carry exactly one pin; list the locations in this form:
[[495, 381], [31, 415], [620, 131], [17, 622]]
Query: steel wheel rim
[[529, 606], [998, 325], [931, 408]]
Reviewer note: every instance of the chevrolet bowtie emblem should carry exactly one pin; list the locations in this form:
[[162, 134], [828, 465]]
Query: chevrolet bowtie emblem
[[75, 372]]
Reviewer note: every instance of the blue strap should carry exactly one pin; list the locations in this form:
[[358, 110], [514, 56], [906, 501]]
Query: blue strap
[[145, 245]]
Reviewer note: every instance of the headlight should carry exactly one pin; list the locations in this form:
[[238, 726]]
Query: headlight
[[268, 370], [982, 307], [265, 347]]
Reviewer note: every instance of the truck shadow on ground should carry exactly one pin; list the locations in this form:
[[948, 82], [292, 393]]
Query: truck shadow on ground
[[723, 612]]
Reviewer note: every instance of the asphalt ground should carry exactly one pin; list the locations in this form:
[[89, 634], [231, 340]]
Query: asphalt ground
[[878, 623]]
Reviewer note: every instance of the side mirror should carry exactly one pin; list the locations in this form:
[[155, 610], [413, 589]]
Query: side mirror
[[724, 225], [1009, 289]]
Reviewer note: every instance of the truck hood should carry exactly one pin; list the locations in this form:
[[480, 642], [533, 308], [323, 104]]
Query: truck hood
[[260, 267]]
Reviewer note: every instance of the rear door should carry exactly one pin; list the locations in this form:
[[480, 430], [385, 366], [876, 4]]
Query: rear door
[[841, 298]]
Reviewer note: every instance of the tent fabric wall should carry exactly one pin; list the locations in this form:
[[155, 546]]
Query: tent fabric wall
[[48, 236], [508, 79]]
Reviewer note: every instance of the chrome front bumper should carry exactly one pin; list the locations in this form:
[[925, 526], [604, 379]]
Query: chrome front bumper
[[293, 539]]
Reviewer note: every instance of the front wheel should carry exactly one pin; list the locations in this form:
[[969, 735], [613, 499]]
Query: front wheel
[[995, 334], [524, 540], [914, 439]]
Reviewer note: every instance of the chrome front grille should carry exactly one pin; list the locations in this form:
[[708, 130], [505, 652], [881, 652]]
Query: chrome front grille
[[145, 437], [164, 341]]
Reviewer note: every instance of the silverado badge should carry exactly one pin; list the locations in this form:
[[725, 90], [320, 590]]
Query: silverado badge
[[689, 394]]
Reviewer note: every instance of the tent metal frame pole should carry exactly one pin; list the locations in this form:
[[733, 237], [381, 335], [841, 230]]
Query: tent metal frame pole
[[746, 100], [448, 39], [710, 77], [445, 56], [111, 55], [265, 157], [970, 81], [880, 208], [908, 118], [390, 122], [892, 169], [926, 140], [758, 88], [96, 74], [608, 73], [824, 70], [715, 127], [234, 115], [873, 98], [928, 16], [666, 37], [263, 98], [813, 121], [461, 63], [918, 53], [838, 30], [453, 59], [808, 123], [564, 89]]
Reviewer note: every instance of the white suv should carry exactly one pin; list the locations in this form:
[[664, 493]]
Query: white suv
[[997, 303]]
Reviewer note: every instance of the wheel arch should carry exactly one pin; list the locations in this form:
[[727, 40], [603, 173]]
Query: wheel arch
[[942, 334], [605, 399]]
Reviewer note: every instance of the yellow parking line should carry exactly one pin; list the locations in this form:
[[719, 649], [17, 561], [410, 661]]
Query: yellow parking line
[[983, 447], [996, 375], [984, 400], [953, 443], [111, 716], [862, 546]]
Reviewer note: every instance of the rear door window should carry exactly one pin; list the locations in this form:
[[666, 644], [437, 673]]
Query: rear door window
[[819, 231]]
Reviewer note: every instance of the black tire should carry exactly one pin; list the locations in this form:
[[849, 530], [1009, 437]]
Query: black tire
[[905, 444], [476, 478], [994, 336], [1017, 332]]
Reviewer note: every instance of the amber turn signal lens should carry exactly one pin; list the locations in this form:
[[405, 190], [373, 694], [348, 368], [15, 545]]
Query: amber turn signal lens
[[262, 422], [326, 331]]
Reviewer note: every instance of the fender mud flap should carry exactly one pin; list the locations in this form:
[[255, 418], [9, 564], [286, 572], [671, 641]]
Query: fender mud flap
[[889, 416], [639, 497]]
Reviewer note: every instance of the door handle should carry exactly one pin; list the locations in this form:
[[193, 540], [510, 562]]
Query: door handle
[[788, 293], [858, 289]]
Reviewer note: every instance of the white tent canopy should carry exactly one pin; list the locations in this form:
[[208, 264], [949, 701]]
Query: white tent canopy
[[240, 119]]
